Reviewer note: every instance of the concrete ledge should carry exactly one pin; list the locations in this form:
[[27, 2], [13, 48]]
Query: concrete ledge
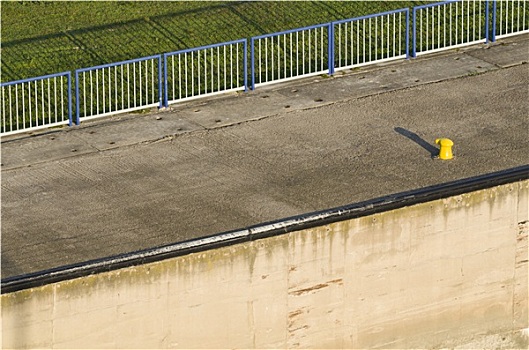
[[265, 230], [447, 273]]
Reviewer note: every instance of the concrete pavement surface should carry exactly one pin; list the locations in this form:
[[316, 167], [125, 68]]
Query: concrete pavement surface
[[138, 181]]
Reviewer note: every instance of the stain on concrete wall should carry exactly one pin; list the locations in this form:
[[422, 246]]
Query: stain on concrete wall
[[436, 274]]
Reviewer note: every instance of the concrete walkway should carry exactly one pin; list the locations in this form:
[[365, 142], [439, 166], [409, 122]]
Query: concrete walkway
[[137, 181]]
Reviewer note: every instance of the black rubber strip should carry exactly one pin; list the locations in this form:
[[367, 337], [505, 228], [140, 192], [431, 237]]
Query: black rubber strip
[[264, 230]]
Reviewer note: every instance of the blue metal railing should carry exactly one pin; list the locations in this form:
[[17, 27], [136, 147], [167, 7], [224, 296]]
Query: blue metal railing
[[36, 103], [449, 24], [291, 54], [219, 68], [205, 71], [355, 46], [118, 87], [509, 18]]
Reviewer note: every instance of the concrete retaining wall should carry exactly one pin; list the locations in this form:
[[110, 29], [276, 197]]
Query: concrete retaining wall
[[434, 274]]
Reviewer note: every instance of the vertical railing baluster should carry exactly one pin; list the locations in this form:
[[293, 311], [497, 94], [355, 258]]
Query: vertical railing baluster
[[297, 53], [2, 94], [218, 68], [291, 55], [49, 102], [231, 66], [62, 97], [116, 103], [285, 56], [237, 64], [303, 50]]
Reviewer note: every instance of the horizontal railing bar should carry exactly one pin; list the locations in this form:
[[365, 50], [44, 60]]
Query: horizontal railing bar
[[369, 16], [511, 34], [49, 76], [40, 127], [240, 41], [446, 48], [370, 62], [81, 70], [436, 4], [121, 111], [306, 75], [185, 99], [264, 36]]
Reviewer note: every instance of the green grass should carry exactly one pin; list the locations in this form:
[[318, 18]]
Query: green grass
[[41, 37]]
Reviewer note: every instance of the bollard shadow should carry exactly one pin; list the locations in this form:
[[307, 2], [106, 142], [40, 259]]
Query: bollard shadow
[[434, 151]]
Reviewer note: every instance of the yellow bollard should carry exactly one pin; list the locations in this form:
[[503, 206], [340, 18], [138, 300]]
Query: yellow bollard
[[446, 148]]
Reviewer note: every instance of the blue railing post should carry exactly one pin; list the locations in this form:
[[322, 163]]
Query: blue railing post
[[330, 48], [245, 69], [166, 94], [487, 19], [493, 36], [252, 58], [69, 98], [77, 100], [414, 35], [407, 33]]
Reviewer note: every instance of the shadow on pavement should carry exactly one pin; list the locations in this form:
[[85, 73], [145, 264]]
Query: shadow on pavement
[[418, 140]]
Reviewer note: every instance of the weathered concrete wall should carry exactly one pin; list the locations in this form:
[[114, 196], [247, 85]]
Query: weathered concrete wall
[[434, 274]]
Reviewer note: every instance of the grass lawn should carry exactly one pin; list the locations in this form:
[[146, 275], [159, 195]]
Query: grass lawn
[[44, 37]]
